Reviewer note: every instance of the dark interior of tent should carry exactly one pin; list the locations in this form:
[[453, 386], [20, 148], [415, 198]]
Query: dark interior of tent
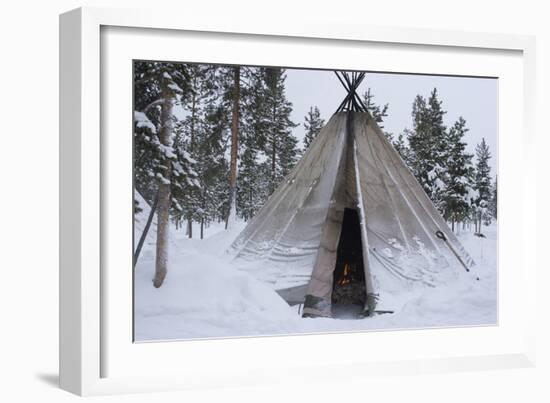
[[348, 289]]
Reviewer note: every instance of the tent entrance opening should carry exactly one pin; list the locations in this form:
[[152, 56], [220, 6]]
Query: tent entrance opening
[[348, 289]]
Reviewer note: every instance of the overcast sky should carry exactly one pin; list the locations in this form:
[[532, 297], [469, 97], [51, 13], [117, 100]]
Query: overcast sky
[[475, 99]]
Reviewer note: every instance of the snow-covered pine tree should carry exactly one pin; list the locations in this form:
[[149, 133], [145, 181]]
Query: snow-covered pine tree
[[169, 91], [146, 155], [231, 102], [251, 176], [458, 175], [427, 142], [482, 185], [252, 190], [313, 125], [202, 90], [146, 123], [235, 110], [158, 164], [401, 146], [213, 167], [280, 143]]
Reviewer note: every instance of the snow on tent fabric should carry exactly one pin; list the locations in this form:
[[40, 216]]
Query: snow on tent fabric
[[294, 243]]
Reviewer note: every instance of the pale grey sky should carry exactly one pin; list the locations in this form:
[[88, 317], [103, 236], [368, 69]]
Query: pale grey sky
[[475, 99]]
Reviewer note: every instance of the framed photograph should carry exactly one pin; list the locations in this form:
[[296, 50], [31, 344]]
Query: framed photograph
[[311, 200]]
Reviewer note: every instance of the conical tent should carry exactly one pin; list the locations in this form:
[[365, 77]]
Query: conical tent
[[349, 209]]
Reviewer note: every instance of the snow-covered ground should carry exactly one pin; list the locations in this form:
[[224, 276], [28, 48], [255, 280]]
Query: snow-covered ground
[[205, 295]]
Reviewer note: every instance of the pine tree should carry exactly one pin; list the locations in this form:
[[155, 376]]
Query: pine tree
[[313, 125], [252, 190], [402, 148], [213, 168], [156, 89], [457, 176], [378, 113], [202, 89], [428, 145], [280, 143], [147, 100], [482, 185], [235, 101], [254, 124]]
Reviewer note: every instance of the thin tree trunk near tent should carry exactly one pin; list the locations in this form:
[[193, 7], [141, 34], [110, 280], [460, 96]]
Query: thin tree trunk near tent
[[146, 229], [163, 207], [191, 147], [234, 148], [479, 223], [203, 208]]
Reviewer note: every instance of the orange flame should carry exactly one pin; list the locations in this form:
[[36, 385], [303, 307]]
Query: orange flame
[[344, 279]]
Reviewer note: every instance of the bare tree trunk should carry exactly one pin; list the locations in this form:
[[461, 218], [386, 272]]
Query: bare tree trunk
[[203, 209], [163, 207], [190, 227], [234, 147]]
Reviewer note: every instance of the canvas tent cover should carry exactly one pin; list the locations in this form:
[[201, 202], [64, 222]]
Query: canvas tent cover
[[292, 240]]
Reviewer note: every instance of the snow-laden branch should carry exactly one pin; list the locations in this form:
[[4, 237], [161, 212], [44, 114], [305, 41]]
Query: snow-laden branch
[[142, 120], [157, 102]]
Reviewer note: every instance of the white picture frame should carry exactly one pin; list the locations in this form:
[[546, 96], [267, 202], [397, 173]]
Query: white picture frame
[[93, 327]]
